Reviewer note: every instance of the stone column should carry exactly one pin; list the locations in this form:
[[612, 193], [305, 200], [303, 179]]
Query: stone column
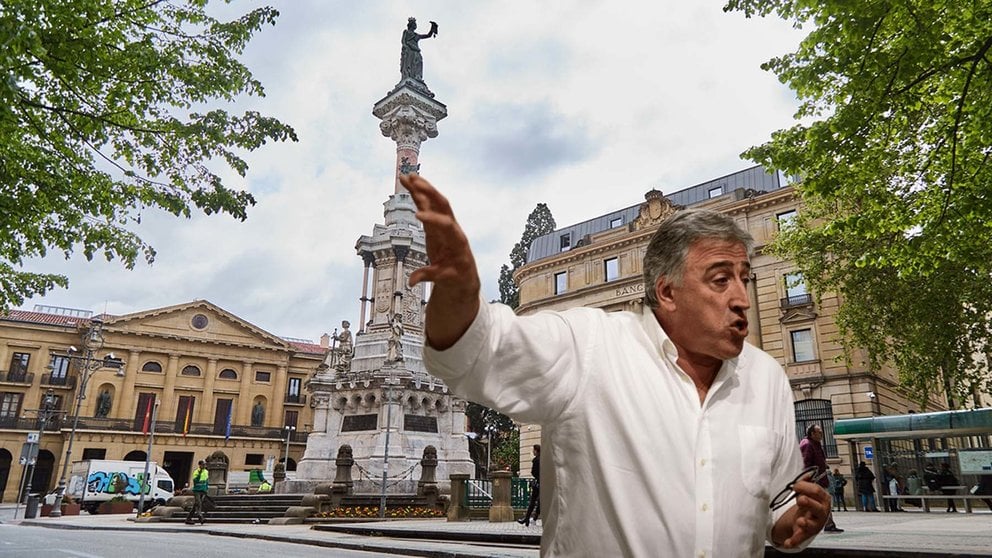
[[457, 510], [242, 414], [205, 406], [369, 259], [398, 287], [279, 397], [130, 377], [168, 391], [501, 511]]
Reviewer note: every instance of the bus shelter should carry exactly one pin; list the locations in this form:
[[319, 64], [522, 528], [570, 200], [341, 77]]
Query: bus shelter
[[959, 438]]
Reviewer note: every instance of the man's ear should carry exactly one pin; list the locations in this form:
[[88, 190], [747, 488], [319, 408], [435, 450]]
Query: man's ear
[[664, 293]]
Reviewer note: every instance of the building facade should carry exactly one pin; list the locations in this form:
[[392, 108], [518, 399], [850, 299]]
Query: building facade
[[598, 263], [214, 381]]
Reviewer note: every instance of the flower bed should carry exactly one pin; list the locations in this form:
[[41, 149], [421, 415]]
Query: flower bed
[[372, 512]]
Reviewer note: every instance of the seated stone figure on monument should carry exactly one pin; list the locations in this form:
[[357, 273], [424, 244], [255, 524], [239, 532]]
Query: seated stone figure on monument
[[411, 61]]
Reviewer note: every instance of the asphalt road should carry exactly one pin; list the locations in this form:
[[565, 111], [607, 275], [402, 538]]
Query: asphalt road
[[38, 542]]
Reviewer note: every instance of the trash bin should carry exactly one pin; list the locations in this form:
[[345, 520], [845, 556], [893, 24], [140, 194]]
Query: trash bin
[[31, 509]]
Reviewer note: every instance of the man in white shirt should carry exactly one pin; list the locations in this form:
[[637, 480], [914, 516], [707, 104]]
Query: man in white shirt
[[664, 433]]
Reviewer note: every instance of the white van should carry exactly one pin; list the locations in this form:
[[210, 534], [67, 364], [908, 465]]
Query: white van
[[97, 480]]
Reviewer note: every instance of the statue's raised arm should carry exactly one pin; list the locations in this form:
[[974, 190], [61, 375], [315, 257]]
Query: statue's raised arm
[[411, 61]]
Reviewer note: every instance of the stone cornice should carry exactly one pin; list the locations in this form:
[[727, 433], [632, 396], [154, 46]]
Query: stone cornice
[[578, 255]]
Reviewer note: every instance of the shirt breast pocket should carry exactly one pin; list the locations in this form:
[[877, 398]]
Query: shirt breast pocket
[[758, 449]]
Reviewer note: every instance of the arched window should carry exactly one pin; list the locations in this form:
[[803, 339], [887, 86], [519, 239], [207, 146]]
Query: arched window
[[151, 366], [817, 411], [228, 374], [190, 370]]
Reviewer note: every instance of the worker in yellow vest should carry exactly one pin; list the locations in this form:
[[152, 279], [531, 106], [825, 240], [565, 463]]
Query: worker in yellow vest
[[200, 487]]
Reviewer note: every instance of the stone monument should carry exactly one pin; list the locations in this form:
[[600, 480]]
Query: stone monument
[[382, 391]]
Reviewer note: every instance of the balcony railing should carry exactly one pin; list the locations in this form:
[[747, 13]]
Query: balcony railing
[[17, 377], [68, 382], [296, 399], [796, 301], [195, 429], [33, 423]]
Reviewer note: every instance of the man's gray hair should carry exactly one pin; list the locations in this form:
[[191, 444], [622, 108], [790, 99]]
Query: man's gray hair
[[670, 245]]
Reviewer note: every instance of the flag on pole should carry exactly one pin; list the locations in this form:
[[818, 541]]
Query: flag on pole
[[186, 420], [227, 431], [146, 426]]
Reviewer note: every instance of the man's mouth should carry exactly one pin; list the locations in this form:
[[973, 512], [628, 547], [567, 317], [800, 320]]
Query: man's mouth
[[741, 326]]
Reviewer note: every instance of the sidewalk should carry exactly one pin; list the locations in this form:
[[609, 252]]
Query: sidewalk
[[911, 534]]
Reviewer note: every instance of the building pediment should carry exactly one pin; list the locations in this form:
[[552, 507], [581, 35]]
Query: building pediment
[[196, 321], [798, 314], [654, 210]]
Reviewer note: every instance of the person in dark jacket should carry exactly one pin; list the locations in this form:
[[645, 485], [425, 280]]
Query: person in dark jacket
[[865, 481], [535, 489], [812, 449], [944, 479]]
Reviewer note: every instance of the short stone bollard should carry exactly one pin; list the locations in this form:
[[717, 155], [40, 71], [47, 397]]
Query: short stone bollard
[[457, 510], [501, 511]]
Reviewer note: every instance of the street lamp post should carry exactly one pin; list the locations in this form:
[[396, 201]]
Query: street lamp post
[[146, 486], [390, 381], [45, 414], [92, 343], [289, 434]]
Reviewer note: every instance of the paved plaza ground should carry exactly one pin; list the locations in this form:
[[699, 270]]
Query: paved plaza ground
[[913, 533]]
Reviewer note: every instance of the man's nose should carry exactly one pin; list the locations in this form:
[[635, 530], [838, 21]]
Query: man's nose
[[739, 296]]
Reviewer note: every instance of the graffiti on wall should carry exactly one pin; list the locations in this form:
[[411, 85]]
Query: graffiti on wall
[[115, 483]]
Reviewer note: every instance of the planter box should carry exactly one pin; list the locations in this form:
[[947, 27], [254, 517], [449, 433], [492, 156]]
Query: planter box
[[115, 507], [67, 509]]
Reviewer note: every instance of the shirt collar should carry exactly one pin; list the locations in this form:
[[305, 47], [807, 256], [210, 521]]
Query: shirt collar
[[667, 350]]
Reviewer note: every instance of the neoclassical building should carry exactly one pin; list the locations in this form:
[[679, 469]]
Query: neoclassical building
[[217, 381], [597, 263]]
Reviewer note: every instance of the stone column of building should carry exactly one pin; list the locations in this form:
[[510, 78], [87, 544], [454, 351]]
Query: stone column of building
[[279, 399], [242, 412], [205, 406], [169, 388], [132, 367], [397, 304]]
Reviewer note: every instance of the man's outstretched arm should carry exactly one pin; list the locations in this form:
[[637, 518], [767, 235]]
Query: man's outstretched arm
[[454, 300]]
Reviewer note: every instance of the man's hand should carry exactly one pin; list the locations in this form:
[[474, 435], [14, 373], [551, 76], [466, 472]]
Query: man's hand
[[804, 519], [454, 299]]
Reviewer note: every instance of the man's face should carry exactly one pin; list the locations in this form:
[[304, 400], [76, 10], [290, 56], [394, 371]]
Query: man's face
[[705, 316], [817, 434]]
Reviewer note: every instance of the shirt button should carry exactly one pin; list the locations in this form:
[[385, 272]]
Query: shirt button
[[705, 507], [702, 554], [702, 462]]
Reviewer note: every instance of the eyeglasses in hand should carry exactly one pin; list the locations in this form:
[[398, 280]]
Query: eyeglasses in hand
[[788, 494]]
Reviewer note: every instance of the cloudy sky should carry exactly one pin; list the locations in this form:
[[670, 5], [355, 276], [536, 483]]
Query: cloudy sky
[[584, 105]]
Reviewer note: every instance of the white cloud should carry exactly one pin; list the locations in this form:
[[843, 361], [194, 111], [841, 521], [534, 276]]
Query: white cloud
[[583, 105]]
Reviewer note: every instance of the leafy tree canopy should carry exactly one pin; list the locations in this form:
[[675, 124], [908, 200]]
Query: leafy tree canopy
[[104, 111], [893, 148], [539, 222]]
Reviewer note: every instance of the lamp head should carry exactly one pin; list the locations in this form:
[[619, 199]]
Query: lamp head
[[871, 395]]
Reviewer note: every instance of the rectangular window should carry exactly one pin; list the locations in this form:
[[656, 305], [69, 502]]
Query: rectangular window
[[60, 366], [254, 458], [10, 405], [561, 282], [94, 453], [293, 389], [263, 376], [616, 222], [292, 417], [143, 411], [19, 365], [223, 411], [716, 192], [785, 219], [611, 269], [802, 345], [565, 242], [184, 413]]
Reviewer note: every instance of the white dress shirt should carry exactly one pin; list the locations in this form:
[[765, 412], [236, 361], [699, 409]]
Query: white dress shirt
[[633, 464]]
